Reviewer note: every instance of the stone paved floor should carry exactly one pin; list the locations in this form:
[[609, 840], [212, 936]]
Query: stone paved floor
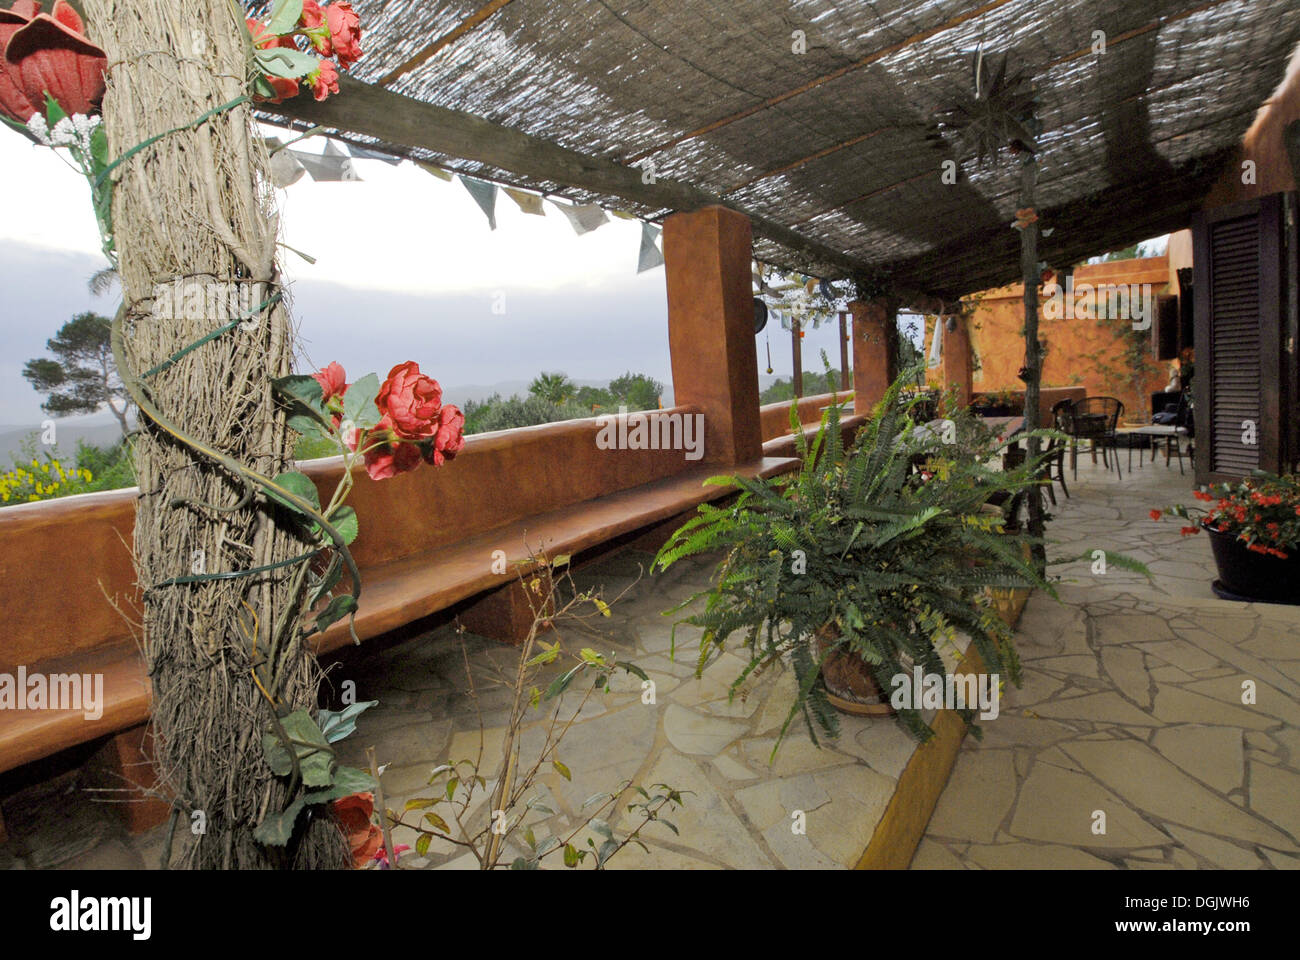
[[1132, 706]]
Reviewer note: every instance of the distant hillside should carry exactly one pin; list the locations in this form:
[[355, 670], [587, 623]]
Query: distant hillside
[[98, 429]]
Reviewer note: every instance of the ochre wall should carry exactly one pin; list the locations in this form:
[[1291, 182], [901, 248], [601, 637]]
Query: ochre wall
[[1087, 353]]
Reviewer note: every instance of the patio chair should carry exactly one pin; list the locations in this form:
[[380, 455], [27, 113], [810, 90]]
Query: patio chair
[[1095, 419]]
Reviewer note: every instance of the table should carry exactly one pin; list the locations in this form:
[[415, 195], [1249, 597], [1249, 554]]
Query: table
[[1171, 434]]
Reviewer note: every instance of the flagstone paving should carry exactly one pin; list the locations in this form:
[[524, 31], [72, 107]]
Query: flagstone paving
[[1132, 707]]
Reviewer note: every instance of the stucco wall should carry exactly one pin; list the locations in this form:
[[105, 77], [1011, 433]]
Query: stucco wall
[[1086, 352]]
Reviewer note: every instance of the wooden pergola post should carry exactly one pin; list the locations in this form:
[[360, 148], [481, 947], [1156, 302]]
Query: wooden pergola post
[[844, 350], [707, 256], [796, 355]]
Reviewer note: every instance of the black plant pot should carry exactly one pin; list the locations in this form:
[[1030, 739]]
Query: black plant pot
[[1254, 576]]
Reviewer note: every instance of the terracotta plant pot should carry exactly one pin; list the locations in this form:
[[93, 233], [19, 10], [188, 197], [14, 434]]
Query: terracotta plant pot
[[1254, 576], [850, 686]]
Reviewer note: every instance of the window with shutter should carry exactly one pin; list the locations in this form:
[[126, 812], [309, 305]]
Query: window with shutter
[[1238, 312]]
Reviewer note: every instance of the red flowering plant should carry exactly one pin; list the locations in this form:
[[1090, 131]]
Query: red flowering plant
[[390, 427], [294, 47], [1262, 511]]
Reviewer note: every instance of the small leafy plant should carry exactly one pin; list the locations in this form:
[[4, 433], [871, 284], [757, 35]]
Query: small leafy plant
[[879, 552], [447, 813]]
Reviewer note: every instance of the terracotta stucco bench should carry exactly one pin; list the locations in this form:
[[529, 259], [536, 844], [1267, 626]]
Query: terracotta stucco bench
[[429, 540]]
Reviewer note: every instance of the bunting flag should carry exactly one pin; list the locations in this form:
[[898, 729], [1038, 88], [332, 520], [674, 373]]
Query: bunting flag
[[650, 256], [936, 345], [583, 217], [332, 165], [285, 168], [530, 203], [434, 169], [485, 195], [362, 153]]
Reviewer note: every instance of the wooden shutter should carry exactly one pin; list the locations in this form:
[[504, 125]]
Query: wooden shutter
[[1238, 350]]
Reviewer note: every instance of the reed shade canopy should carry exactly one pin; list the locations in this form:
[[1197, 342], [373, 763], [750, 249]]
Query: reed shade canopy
[[834, 152]]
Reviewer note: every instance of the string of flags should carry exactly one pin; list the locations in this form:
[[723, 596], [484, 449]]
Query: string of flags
[[334, 165]]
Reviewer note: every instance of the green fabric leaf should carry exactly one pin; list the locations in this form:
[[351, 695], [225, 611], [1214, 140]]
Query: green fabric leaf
[[285, 63], [339, 607], [337, 724], [277, 828], [285, 15], [344, 520], [359, 402]]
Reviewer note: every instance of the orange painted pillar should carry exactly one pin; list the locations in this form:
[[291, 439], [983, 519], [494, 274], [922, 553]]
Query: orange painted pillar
[[871, 361], [958, 369], [708, 260]]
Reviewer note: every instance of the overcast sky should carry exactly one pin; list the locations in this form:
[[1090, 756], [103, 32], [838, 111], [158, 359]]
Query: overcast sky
[[407, 269]]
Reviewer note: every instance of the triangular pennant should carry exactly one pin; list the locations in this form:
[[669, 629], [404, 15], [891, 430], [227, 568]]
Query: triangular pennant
[[936, 345], [530, 203], [583, 217], [434, 169], [332, 165], [362, 153], [285, 168], [485, 195], [650, 256]]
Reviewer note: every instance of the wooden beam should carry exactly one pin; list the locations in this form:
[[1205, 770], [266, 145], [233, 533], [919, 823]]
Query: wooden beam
[[448, 38], [372, 111]]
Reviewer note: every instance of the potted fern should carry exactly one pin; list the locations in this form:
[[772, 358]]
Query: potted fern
[[863, 564]]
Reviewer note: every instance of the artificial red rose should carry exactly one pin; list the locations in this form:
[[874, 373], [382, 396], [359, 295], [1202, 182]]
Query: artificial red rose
[[449, 439], [345, 32], [325, 80], [51, 54], [13, 102], [285, 88], [386, 455], [364, 838], [314, 26], [333, 381], [411, 400]]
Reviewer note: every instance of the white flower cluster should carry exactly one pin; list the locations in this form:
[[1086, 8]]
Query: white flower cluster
[[73, 131]]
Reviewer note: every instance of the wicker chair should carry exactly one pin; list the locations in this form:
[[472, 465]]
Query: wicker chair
[[1095, 419]]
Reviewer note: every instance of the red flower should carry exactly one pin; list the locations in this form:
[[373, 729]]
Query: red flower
[[1202, 495], [364, 838], [285, 88], [1256, 548], [1155, 514], [381, 855], [332, 380], [313, 23], [411, 400], [325, 80], [386, 455], [13, 102], [345, 32], [50, 54], [1188, 531], [450, 437]]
